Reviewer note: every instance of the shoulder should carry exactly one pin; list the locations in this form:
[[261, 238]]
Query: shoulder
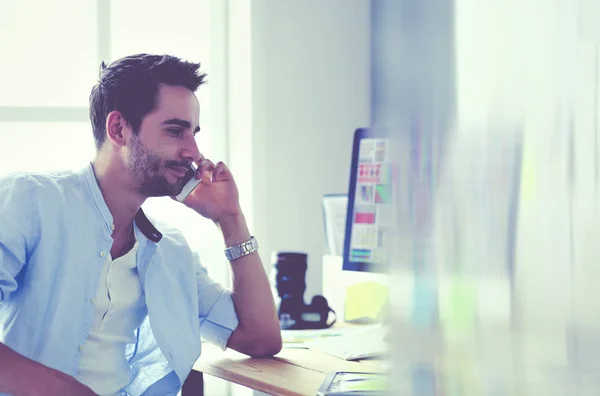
[[18, 188], [33, 182]]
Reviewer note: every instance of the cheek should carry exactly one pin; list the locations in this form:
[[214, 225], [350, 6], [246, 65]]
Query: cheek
[[162, 149], [155, 165], [149, 160]]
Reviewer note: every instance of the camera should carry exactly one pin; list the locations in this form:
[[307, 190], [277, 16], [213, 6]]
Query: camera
[[290, 282]]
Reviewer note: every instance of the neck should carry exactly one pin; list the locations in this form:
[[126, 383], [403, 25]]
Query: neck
[[118, 191]]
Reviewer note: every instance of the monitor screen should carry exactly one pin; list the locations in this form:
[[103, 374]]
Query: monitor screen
[[370, 219]]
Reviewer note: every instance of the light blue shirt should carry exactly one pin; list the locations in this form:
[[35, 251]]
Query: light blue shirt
[[55, 233]]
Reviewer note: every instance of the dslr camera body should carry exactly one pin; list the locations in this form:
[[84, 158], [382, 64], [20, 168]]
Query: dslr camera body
[[290, 282]]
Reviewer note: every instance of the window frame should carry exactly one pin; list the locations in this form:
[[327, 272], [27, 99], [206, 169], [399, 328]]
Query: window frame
[[219, 52]]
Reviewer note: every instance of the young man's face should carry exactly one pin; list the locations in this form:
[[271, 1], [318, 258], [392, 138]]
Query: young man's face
[[160, 155]]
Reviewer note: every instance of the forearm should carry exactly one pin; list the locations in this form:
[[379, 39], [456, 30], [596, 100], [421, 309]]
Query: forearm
[[252, 297], [20, 375], [13, 367]]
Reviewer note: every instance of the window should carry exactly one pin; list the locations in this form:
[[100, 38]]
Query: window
[[52, 61]]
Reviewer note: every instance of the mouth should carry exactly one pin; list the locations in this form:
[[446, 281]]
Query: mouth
[[178, 171]]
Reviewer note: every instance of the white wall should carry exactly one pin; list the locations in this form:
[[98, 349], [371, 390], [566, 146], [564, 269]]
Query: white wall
[[309, 89]]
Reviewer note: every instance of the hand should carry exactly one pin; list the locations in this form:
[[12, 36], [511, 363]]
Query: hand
[[216, 197]]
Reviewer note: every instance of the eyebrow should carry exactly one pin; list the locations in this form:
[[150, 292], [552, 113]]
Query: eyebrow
[[181, 123]]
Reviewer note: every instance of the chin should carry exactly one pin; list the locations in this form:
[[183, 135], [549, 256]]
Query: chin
[[161, 189], [176, 192]]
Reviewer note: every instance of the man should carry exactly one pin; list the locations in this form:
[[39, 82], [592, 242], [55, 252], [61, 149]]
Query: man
[[93, 297]]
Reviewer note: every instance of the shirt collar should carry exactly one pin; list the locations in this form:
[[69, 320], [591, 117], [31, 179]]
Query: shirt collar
[[141, 221]]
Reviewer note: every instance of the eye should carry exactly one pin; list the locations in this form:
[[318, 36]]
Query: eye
[[175, 131]]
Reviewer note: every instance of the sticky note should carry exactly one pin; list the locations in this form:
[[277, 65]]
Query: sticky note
[[365, 300]]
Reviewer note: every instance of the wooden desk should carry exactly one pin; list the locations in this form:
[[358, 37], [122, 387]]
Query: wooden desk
[[293, 371]]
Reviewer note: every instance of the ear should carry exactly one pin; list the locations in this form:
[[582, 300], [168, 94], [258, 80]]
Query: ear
[[116, 128]]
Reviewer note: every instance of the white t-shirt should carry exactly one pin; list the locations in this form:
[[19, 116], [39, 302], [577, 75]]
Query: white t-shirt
[[120, 309]]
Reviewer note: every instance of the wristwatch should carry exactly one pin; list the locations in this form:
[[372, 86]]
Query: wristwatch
[[241, 250]]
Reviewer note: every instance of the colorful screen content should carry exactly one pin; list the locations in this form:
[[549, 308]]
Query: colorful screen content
[[373, 212]]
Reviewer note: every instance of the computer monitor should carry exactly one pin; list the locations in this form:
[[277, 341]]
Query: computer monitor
[[370, 217]]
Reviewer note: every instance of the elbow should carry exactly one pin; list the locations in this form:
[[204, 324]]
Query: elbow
[[272, 348], [258, 342], [267, 347]]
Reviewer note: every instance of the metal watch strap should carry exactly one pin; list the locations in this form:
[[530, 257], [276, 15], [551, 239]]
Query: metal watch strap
[[241, 250]]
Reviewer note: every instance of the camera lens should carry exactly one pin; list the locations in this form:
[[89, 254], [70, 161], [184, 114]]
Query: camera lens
[[290, 282], [291, 274]]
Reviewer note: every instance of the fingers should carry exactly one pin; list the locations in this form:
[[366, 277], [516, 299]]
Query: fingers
[[205, 169], [202, 158], [199, 166], [219, 170], [208, 171]]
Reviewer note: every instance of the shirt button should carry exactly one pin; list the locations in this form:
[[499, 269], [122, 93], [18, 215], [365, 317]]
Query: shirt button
[[93, 301], [102, 254], [112, 227], [80, 347]]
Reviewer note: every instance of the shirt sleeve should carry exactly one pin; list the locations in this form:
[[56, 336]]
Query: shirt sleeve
[[218, 318], [17, 225]]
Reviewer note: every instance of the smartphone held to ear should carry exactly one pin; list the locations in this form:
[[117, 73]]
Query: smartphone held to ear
[[190, 183]]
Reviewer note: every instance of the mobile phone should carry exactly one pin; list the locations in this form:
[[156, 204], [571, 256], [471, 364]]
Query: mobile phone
[[190, 183]]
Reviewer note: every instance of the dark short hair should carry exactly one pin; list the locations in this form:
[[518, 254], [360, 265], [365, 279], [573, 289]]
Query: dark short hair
[[130, 85]]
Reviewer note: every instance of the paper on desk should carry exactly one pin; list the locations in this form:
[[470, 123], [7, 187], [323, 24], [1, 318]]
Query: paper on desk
[[301, 336], [297, 338], [334, 217]]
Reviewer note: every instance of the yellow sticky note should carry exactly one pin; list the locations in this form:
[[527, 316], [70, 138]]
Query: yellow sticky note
[[365, 300]]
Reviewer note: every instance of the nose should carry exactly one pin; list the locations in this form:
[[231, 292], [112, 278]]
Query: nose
[[190, 150]]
